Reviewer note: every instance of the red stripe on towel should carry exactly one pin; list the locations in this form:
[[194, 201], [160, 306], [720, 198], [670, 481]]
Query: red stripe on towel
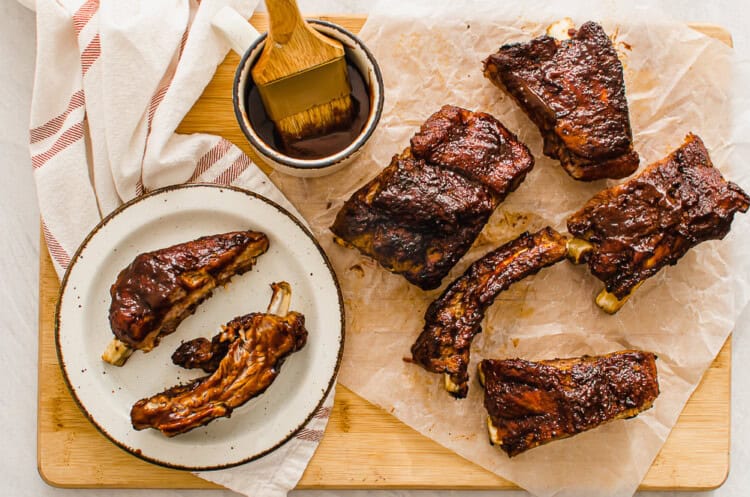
[[310, 435], [84, 15], [233, 172], [155, 101], [183, 41], [55, 124], [69, 137], [210, 158], [323, 412], [55, 249], [91, 53]]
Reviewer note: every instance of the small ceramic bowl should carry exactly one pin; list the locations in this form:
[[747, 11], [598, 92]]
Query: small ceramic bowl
[[361, 57]]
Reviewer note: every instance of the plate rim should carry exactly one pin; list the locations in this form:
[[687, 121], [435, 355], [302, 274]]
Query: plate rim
[[159, 191]]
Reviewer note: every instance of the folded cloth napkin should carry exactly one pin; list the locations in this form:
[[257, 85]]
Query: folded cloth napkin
[[113, 82]]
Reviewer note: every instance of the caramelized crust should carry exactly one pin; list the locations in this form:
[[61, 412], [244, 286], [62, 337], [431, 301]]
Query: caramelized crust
[[161, 288], [248, 367], [533, 403], [452, 321], [421, 214], [415, 219], [574, 91], [476, 145], [644, 224]]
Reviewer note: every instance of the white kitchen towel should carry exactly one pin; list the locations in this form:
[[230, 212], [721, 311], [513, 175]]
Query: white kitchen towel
[[113, 81]]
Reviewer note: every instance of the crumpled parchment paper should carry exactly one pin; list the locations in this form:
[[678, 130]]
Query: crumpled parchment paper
[[677, 81]]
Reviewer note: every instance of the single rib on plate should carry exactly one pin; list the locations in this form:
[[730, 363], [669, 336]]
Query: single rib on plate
[[421, 214], [627, 233], [574, 91], [534, 403], [246, 368], [159, 289], [452, 321]]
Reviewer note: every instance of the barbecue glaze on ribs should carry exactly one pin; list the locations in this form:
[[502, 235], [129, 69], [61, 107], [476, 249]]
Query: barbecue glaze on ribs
[[246, 369], [533, 403], [161, 288], [574, 91], [632, 230], [454, 319], [421, 214]]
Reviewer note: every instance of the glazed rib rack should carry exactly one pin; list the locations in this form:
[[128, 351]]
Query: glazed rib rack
[[421, 214]]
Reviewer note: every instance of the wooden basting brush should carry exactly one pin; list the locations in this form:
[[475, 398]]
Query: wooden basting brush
[[302, 77]]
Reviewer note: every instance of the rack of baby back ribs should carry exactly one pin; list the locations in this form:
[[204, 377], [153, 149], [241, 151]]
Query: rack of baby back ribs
[[423, 212]]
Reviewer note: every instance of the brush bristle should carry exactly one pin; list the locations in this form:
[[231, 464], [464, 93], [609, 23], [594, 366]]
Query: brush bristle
[[317, 121]]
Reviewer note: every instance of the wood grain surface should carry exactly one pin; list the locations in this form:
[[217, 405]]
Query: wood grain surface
[[363, 446]]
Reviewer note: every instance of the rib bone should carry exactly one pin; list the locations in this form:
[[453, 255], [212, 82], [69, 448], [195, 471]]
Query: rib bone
[[281, 298], [159, 289], [260, 342], [117, 352], [578, 250], [609, 302]]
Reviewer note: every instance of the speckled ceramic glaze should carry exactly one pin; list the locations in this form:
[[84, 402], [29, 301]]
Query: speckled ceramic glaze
[[173, 215]]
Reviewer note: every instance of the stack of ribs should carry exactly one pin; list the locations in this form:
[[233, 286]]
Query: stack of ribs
[[452, 321], [627, 233], [159, 289], [421, 214], [574, 91], [244, 359], [533, 403]]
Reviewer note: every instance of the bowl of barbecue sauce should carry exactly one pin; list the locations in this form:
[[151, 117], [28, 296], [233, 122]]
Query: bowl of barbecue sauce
[[320, 155]]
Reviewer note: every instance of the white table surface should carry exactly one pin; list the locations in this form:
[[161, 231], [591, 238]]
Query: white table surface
[[19, 255]]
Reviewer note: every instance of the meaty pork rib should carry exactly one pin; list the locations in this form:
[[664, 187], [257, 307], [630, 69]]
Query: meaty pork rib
[[534, 403], [574, 91], [248, 367], [159, 289], [207, 355], [452, 321], [416, 219], [627, 233], [421, 214]]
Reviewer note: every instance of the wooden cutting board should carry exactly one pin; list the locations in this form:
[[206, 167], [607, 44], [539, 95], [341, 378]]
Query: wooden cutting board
[[363, 446]]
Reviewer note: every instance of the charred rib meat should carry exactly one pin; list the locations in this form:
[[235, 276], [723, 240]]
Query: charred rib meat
[[415, 219], [248, 367], [632, 230], [476, 145], [534, 403], [574, 91], [421, 214], [452, 321], [161, 288]]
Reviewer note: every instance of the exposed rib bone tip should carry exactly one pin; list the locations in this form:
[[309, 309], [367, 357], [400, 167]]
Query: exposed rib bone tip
[[281, 298], [480, 372], [492, 431], [578, 250], [450, 385], [609, 302], [117, 352]]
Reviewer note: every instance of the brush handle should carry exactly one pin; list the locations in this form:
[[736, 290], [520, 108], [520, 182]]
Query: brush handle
[[285, 18], [235, 29], [293, 45]]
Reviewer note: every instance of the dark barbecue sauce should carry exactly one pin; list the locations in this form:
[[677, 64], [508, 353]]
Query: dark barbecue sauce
[[321, 146]]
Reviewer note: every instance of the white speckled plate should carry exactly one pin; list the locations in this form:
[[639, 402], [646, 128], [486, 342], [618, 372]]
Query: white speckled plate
[[179, 214]]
